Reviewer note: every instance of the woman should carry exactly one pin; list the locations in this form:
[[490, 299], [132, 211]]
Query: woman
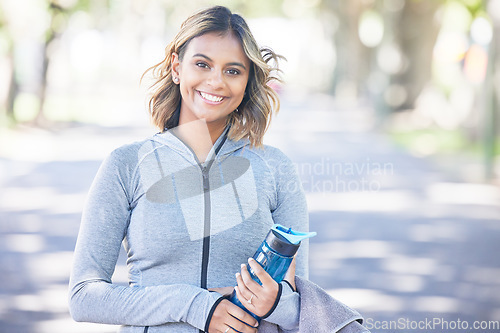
[[194, 202]]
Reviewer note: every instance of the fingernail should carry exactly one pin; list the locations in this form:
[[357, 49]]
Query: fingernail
[[251, 259], [237, 275], [243, 266]]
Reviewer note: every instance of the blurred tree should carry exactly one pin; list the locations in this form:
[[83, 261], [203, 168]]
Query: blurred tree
[[55, 15], [391, 70], [352, 58], [415, 30], [60, 12], [176, 12], [56, 26], [11, 88], [259, 8], [492, 94]]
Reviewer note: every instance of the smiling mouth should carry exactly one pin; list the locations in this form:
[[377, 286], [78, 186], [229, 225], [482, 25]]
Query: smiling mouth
[[211, 98]]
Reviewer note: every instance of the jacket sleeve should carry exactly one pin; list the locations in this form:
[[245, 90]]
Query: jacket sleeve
[[291, 211], [291, 206], [92, 295], [287, 312]]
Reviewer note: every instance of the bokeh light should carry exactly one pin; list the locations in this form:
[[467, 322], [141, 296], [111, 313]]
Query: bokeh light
[[371, 28]]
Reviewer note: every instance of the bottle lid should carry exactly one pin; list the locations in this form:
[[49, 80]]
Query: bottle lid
[[286, 241]]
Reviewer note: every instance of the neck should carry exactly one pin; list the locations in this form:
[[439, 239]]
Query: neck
[[199, 135]]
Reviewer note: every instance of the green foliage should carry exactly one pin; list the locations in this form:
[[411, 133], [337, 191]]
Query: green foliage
[[474, 6], [84, 5], [254, 8], [438, 141], [2, 18], [260, 8]]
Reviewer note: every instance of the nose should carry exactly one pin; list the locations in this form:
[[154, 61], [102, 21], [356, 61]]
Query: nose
[[216, 79]]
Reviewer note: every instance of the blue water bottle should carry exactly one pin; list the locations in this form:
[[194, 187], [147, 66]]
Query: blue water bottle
[[275, 255]]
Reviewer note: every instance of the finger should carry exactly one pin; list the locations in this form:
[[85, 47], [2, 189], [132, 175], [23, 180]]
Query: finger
[[234, 325], [242, 288], [227, 329], [240, 320], [238, 327], [227, 316], [247, 301], [263, 276], [250, 283]]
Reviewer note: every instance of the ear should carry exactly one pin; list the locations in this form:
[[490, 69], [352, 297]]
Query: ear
[[175, 61]]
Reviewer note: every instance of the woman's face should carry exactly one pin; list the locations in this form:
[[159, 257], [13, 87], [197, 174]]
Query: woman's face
[[213, 75]]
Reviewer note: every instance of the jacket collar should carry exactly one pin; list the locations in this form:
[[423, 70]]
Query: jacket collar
[[167, 138]]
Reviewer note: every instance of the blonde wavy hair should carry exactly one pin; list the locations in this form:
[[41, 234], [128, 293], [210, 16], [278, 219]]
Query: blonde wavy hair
[[260, 101]]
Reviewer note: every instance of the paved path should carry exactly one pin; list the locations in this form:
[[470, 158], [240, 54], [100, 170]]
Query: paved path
[[398, 239]]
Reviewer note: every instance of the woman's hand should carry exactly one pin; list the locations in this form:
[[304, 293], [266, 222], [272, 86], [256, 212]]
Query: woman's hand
[[258, 299], [229, 317]]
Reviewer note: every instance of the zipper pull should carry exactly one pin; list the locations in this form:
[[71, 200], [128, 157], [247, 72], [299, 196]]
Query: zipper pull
[[204, 173]]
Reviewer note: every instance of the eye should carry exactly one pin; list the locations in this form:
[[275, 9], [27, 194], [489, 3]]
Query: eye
[[202, 64], [233, 71]]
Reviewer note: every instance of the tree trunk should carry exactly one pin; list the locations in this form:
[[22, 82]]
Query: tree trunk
[[54, 10], [40, 118], [352, 66], [13, 88], [417, 38]]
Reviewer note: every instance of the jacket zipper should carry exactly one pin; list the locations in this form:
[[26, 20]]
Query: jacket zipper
[[206, 225], [205, 172]]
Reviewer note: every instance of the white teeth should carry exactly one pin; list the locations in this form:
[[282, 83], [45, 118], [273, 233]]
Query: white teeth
[[211, 98]]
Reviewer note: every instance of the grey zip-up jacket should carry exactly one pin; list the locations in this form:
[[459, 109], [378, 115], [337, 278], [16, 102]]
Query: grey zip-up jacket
[[186, 227]]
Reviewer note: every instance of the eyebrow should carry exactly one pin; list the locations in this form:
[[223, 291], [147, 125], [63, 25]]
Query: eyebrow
[[239, 64]]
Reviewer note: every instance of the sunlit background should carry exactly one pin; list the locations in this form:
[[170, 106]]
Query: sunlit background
[[389, 110]]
